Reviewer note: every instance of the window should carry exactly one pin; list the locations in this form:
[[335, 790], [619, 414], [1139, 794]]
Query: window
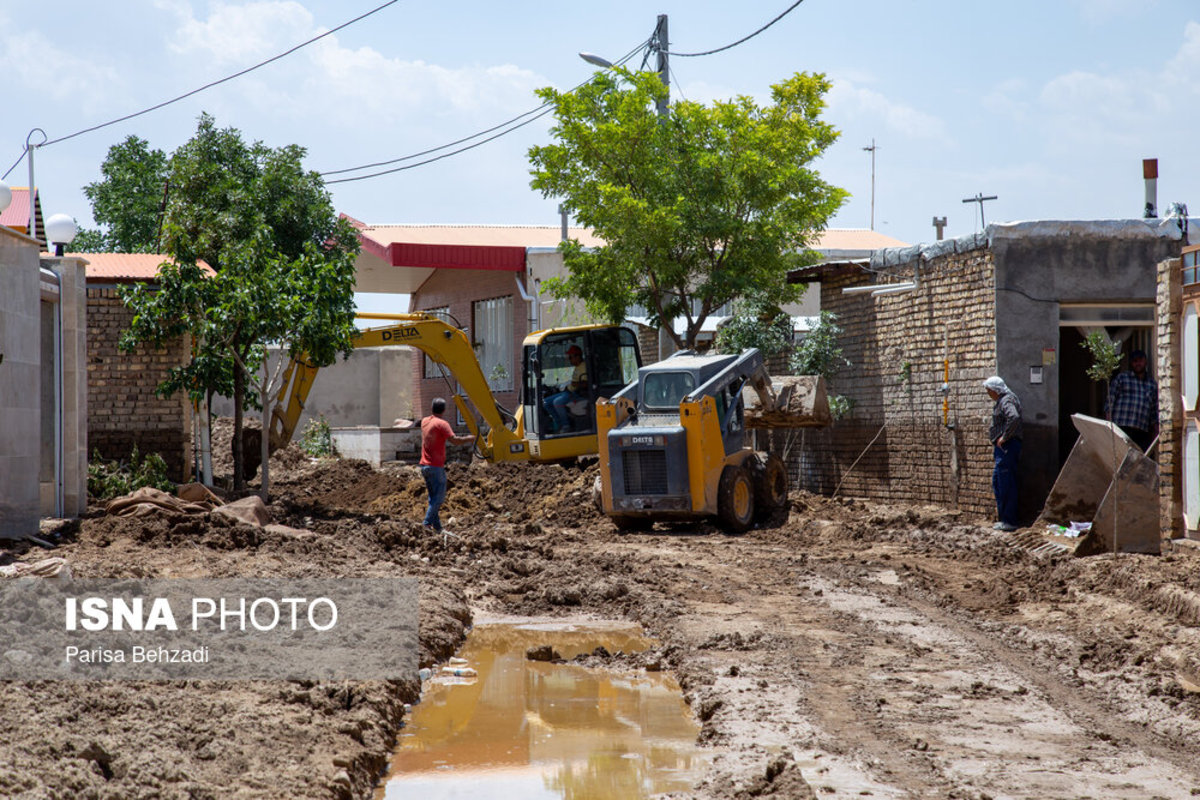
[[492, 336], [664, 390], [432, 370], [1191, 265]]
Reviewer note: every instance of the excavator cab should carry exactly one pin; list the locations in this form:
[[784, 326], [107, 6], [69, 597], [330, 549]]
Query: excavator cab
[[553, 407], [608, 354]]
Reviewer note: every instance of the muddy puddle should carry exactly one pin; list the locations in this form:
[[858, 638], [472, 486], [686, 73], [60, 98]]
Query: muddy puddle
[[508, 727]]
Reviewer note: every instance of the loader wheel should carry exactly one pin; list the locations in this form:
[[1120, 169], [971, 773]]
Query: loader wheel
[[770, 485], [735, 500]]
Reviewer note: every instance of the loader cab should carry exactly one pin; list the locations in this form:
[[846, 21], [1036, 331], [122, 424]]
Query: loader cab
[[608, 357], [662, 386]]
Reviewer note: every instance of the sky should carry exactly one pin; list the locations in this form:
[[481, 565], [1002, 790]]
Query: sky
[[1051, 105]]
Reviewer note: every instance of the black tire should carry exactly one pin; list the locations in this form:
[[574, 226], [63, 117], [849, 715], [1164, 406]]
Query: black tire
[[770, 485], [735, 500], [632, 524]]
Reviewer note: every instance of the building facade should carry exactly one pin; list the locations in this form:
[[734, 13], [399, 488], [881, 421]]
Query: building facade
[[1016, 301]]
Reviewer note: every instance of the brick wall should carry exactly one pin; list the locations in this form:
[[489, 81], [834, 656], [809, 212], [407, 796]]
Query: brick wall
[[894, 445], [123, 409], [1169, 358]]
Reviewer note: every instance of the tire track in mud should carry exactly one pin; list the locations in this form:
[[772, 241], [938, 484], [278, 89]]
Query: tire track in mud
[[877, 691]]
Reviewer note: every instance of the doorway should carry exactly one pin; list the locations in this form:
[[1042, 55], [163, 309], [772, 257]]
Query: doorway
[[1130, 326]]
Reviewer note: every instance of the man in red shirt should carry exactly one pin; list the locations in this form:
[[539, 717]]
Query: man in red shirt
[[435, 432]]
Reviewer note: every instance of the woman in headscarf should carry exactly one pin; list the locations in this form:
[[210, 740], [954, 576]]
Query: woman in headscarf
[[1005, 435]]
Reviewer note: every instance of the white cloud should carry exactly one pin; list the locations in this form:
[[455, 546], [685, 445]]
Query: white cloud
[[1124, 109], [37, 65], [341, 84], [1184, 66], [242, 35], [847, 100]]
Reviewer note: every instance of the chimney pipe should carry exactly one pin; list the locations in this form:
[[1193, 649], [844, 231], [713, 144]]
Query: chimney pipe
[[1150, 173]]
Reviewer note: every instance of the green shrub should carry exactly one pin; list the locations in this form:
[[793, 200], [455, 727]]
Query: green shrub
[[1106, 355], [109, 479], [316, 440]]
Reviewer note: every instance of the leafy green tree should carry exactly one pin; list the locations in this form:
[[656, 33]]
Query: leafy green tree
[[820, 353], [755, 323], [283, 263], [697, 208], [127, 202]]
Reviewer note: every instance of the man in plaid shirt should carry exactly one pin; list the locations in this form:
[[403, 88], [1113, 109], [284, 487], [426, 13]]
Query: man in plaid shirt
[[1133, 402]]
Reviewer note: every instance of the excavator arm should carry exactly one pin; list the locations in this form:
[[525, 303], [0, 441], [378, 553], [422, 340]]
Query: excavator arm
[[445, 345]]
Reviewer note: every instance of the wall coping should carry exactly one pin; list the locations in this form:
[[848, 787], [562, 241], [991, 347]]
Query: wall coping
[[1120, 229]]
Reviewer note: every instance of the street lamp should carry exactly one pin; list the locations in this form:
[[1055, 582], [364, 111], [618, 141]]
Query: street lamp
[[596, 60], [60, 232]]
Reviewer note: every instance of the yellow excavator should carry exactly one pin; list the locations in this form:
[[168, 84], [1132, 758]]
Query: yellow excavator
[[530, 433]]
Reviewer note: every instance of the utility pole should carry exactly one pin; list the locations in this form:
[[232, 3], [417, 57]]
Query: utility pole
[[661, 44], [872, 150], [979, 198], [940, 224]]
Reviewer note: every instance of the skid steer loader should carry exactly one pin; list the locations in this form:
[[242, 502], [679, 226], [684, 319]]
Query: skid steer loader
[[673, 444]]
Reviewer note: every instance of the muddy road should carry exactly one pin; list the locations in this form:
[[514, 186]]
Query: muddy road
[[851, 650]]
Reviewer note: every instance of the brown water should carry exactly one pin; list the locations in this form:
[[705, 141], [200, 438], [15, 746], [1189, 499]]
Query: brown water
[[526, 729]]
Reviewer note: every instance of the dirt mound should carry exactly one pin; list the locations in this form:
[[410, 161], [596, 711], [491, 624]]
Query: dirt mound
[[880, 642]]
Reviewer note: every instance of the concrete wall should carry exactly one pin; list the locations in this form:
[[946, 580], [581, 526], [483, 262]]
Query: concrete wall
[[20, 412], [74, 416], [124, 410], [1039, 267], [373, 387]]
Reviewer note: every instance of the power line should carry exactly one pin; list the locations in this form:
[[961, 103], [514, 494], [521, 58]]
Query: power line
[[539, 112], [439, 147], [206, 86], [786, 11], [435, 158]]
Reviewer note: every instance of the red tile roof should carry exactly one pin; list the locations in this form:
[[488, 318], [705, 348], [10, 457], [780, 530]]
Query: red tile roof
[[125, 266], [16, 216], [551, 235]]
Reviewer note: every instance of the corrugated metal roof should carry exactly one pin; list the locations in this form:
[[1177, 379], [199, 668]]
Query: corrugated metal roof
[[124, 266]]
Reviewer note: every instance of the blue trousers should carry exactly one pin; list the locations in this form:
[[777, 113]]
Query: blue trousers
[[435, 484], [556, 404], [1004, 479]]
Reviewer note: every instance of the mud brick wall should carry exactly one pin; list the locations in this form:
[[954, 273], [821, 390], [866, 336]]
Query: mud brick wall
[[123, 409], [1169, 358], [893, 445]]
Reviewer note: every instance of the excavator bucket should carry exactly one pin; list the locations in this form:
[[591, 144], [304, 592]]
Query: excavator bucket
[[1109, 482], [800, 401]]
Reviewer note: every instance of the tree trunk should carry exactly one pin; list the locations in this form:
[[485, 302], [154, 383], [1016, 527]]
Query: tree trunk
[[265, 441], [239, 395]]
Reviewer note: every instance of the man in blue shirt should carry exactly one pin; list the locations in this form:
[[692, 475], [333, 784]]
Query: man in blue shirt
[[1133, 402]]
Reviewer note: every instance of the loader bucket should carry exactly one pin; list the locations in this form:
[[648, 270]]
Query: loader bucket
[[1108, 481], [801, 401]]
